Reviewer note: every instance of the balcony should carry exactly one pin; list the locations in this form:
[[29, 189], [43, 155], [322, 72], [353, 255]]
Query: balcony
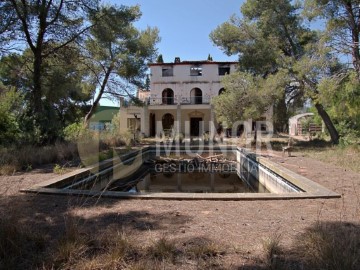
[[180, 100]]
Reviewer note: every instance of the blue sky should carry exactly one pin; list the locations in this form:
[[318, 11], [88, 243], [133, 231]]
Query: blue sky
[[184, 26]]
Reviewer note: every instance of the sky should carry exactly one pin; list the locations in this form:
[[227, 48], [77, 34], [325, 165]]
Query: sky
[[184, 26]]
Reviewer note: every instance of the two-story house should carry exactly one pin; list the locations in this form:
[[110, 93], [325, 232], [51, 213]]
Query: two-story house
[[179, 99]]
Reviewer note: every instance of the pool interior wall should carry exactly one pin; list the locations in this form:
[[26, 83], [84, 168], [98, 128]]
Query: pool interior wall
[[281, 182]]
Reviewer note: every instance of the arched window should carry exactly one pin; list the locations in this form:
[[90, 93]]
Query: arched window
[[168, 121], [196, 96], [168, 96], [222, 90]]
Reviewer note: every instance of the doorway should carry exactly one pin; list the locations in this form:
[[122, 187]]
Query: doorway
[[168, 121], [195, 126]]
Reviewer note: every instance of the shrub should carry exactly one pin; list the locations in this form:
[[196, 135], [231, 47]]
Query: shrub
[[20, 247], [162, 249], [272, 250], [74, 132], [59, 169], [22, 158], [332, 246]]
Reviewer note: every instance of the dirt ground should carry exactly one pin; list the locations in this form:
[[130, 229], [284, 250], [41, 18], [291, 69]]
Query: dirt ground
[[240, 227]]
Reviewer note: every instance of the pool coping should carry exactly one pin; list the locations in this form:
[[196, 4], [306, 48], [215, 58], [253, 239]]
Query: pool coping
[[312, 190]]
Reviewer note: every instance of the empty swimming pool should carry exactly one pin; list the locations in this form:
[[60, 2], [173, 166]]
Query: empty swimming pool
[[143, 174]]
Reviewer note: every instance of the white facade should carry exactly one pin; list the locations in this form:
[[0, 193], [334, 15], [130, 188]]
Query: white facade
[[186, 76], [179, 100]]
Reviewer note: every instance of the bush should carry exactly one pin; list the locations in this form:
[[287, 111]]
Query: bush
[[9, 107], [74, 132], [20, 158]]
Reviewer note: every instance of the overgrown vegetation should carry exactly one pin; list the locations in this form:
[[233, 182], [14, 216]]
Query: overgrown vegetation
[[347, 157], [27, 157], [20, 247], [84, 147], [67, 51], [77, 248], [333, 246], [302, 64], [324, 245], [272, 250]]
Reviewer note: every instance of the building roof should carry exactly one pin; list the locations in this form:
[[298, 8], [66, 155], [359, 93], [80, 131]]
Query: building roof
[[197, 62], [104, 113], [295, 118]]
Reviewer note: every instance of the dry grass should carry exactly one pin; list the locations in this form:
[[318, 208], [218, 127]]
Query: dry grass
[[205, 250], [162, 249], [121, 250], [14, 159], [271, 246], [345, 157], [8, 169], [330, 246], [333, 246], [72, 246], [322, 246], [272, 250], [20, 247]]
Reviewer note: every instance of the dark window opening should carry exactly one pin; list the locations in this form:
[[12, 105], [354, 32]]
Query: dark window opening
[[222, 90], [223, 70], [196, 71], [167, 71]]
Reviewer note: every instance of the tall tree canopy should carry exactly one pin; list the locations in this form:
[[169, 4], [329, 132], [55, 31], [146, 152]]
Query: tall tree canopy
[[341, 92], [65, 87], [342, 19], [117, 53], [67, 50], [44, 27], [271, 38], [246, 96]]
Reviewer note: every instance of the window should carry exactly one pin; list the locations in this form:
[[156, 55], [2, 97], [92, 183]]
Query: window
[[132, 123], [168, 96], [196, 96], [167, 71], [224, 69], [196, 71]]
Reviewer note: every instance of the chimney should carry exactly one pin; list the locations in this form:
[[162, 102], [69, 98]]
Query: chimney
[[122, 102], [177, 60]]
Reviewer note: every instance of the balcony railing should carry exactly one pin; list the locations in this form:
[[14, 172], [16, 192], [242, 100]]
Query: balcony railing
[[180, 100]]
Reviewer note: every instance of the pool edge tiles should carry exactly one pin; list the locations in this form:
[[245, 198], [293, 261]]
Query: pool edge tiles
[[307, 189]]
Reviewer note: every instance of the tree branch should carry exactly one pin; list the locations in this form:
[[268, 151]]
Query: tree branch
[[23, 20]]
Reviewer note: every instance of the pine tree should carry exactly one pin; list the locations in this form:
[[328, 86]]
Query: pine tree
[[160, 59]]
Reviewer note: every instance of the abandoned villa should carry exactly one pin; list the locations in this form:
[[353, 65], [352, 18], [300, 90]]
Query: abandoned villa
[[179, 99]]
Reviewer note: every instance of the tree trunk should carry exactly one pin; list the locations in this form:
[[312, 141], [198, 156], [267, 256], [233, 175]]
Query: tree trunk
[[355, 51], [36, 95], [323, 114], [328, 123], [353, 23], [99, 96]]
